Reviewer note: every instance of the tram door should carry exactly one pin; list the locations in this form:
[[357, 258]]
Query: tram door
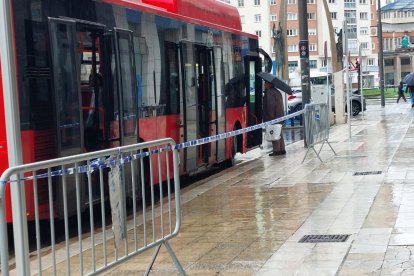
[[199, 105], [253, 65], [94, 95]]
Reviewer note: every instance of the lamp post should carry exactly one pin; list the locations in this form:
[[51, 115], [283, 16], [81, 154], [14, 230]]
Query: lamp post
[[14, 146], [304, 55], [380, 55]]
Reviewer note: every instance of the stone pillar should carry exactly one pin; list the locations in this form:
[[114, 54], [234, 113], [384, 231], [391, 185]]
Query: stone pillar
[[340, 117], [397, 72], [412, 63]]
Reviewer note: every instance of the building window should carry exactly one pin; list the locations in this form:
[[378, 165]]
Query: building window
[[331, 1], [272, 2], [352, 32], [350, 4], [311, 16], [291, 1], [241, 3], [363, 15], [364, 45], [259, 33], [389, 62], [257, 2], [273, 17], [363, 2], [257, 18], [311, 31], [405, 61], [363, 31], [292, 65], [312, 47], [313, 64], [292, 16], [242, 19], [333, 15], [350, 16], [311, 1], [292, 48], [371, 62], [292, 32]]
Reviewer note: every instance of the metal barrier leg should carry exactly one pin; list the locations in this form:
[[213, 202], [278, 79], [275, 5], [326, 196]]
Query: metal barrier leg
[[331, 148], [323, 143], [305, 155], [174, 258], [154, 256], [4, 251], [172, 255], [317, 154]]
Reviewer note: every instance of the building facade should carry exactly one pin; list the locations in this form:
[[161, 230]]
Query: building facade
[[259, 17], [398, 40]]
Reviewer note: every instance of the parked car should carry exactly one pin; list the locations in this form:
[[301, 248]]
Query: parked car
[[295, 102]]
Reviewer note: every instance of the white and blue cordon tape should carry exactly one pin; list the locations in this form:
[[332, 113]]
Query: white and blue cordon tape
[[111, 162]]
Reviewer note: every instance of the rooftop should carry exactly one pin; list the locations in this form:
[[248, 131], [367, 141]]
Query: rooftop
[[399, 5]]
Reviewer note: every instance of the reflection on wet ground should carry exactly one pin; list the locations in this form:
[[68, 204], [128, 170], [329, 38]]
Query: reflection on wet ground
[[248, 220], [293, 134]]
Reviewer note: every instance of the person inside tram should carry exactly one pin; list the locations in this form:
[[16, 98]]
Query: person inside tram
[[93, 105]]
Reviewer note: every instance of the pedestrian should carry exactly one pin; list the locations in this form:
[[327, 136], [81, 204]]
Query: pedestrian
[[273, 109], [401, 92], [410, 89]]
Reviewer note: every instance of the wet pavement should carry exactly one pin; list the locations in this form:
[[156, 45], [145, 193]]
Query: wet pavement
[[248, 220]]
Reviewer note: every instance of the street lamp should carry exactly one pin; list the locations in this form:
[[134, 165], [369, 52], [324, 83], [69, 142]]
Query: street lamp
[[380, 55]]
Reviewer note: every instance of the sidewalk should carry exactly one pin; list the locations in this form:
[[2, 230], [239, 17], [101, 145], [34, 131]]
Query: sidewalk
[[247, 220]]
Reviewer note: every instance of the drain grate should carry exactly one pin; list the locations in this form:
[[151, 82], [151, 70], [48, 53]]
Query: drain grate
[[323, 238], [368, 173]]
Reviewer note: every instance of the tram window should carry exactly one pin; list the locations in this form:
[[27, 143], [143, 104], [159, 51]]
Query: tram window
[[140, 49], [36, 93], [112, 97], [40, 103], [235, 87], [128, 92], [169, 96], [236, 91]]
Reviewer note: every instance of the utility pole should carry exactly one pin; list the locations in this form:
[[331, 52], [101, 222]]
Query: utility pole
[[284, 52], [14, 145], [380, 55], [304, 54]]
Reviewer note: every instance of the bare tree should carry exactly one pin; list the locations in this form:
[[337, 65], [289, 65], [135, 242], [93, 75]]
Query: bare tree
[[336, 66]]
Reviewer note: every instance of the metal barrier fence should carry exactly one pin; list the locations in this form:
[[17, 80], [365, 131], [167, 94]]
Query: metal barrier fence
[[128, 173], [90, 183], [317, 127]]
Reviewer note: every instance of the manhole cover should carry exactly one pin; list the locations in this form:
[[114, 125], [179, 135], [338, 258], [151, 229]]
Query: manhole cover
[[368, 173], [324, 238]]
